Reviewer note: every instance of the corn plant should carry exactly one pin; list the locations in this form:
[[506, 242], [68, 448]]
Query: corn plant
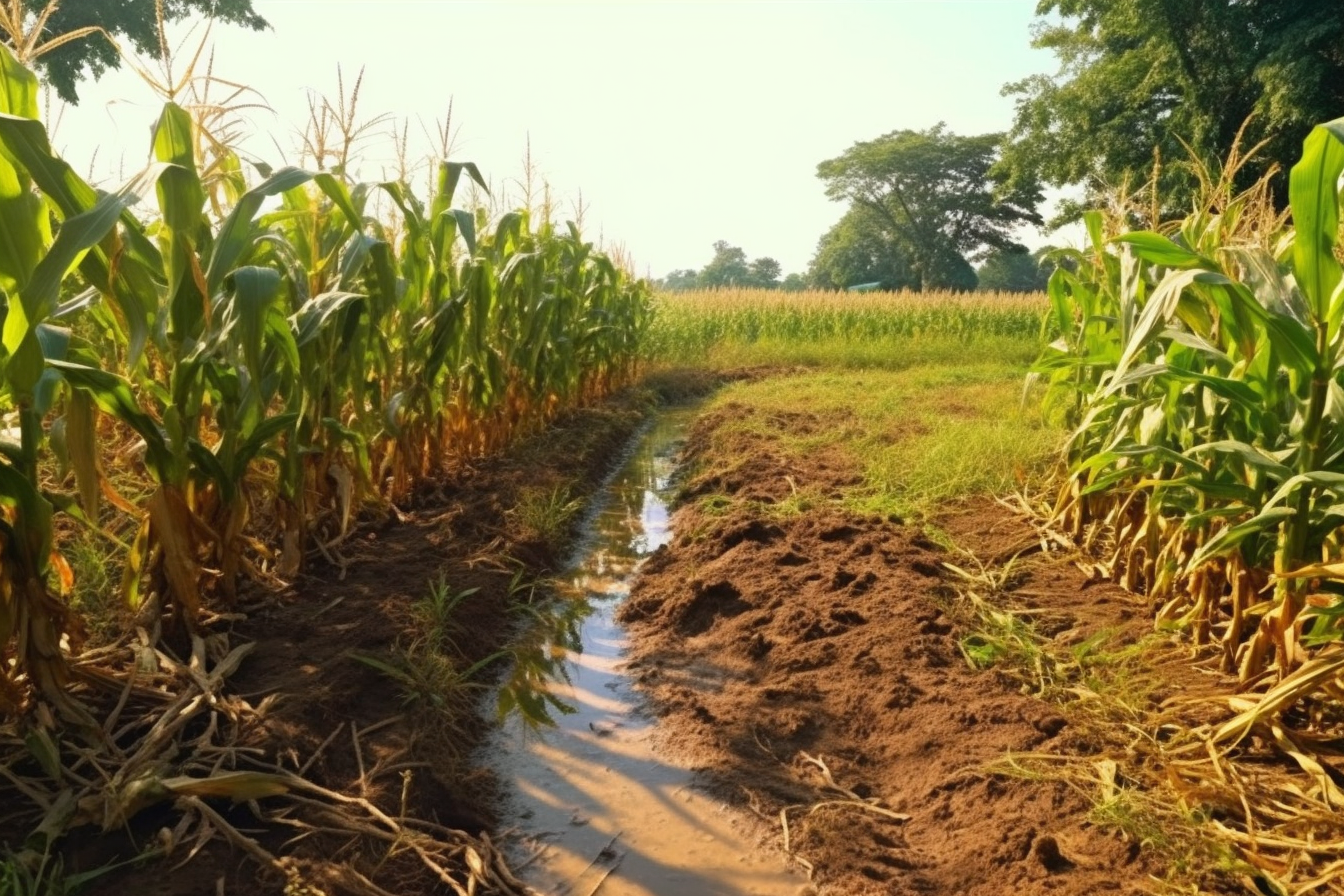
[[275, 347], [34, 262], [1201, 366]]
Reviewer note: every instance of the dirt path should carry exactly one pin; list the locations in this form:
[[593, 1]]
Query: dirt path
[[782, 649]]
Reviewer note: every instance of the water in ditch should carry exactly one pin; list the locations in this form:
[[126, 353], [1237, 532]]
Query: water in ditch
[[593, 806]]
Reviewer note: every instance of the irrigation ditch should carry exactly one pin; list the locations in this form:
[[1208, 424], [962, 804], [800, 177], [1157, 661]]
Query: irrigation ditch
[[595, 805]]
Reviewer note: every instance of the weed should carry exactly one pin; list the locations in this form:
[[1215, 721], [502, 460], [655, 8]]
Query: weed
[[96, 584], [714, 505], [436, 615], [548, 515], [427, 678]]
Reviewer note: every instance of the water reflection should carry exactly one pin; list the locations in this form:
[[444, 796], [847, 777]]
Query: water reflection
[[596, 808], [629, 522]]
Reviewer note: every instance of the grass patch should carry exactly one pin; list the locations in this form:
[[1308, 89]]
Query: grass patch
[[31, 874], [1107, 685], [548, 515], [96, 567], [915, 438]]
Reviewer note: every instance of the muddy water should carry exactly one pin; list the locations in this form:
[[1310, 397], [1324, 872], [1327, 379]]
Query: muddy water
[[594, 806]]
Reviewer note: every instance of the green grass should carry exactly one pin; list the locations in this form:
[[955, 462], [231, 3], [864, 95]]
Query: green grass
[[96, 566], [548, 514], [917, 437]]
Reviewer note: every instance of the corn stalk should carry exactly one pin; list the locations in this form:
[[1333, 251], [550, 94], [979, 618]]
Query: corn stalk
[[1204, 362]]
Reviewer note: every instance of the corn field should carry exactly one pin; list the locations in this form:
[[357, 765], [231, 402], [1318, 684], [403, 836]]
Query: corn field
[[1200, 366], [690, 324], [269, 359]]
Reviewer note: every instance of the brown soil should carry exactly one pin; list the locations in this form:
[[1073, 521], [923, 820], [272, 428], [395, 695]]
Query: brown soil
[[766, 641]]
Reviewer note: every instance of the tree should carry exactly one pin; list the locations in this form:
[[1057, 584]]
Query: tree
[[1138, 77], [858, 250], [728, 267], [680, 280], [764, 273], [1012, 269], [135, 21], [794, 283], [936, 195]]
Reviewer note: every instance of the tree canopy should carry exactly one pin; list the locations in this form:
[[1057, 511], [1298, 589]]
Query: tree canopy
[[133, 21], [936, 196], [1014, 269], [859, 249], [1143, 75], [728, 267]]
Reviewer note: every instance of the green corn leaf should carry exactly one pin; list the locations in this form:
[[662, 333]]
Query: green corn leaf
[[208, 463], [1220, 545], [81, 232], [1237, 391], [1155, 316], [354, 257], [238, 232], [280, 338], [265, 432], [173, 142], [1229, 492], [131, 288], [18, 87], [1294, 342], [1158, 249], [383, 267], [25, 364], [466, 225], [27, 142], [1092, 220], [1262, 274], [252, 293], [453, 173], [54, 343], [1248, 454], [1320, 479], [25, 229], [1198, 343], [1313, 193], [317, 314], [32, 526], [113, 396], [336, 191], [1197, 521]]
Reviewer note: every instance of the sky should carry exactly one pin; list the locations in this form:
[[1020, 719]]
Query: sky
[[678, 123]]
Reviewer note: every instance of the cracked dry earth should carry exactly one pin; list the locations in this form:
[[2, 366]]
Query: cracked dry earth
[[763, 639]]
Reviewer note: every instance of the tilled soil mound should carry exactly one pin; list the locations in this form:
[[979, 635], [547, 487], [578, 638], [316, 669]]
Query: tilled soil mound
[[780, 650]]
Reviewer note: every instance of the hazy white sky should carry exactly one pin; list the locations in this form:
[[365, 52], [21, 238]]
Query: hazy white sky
[[681, 122]]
